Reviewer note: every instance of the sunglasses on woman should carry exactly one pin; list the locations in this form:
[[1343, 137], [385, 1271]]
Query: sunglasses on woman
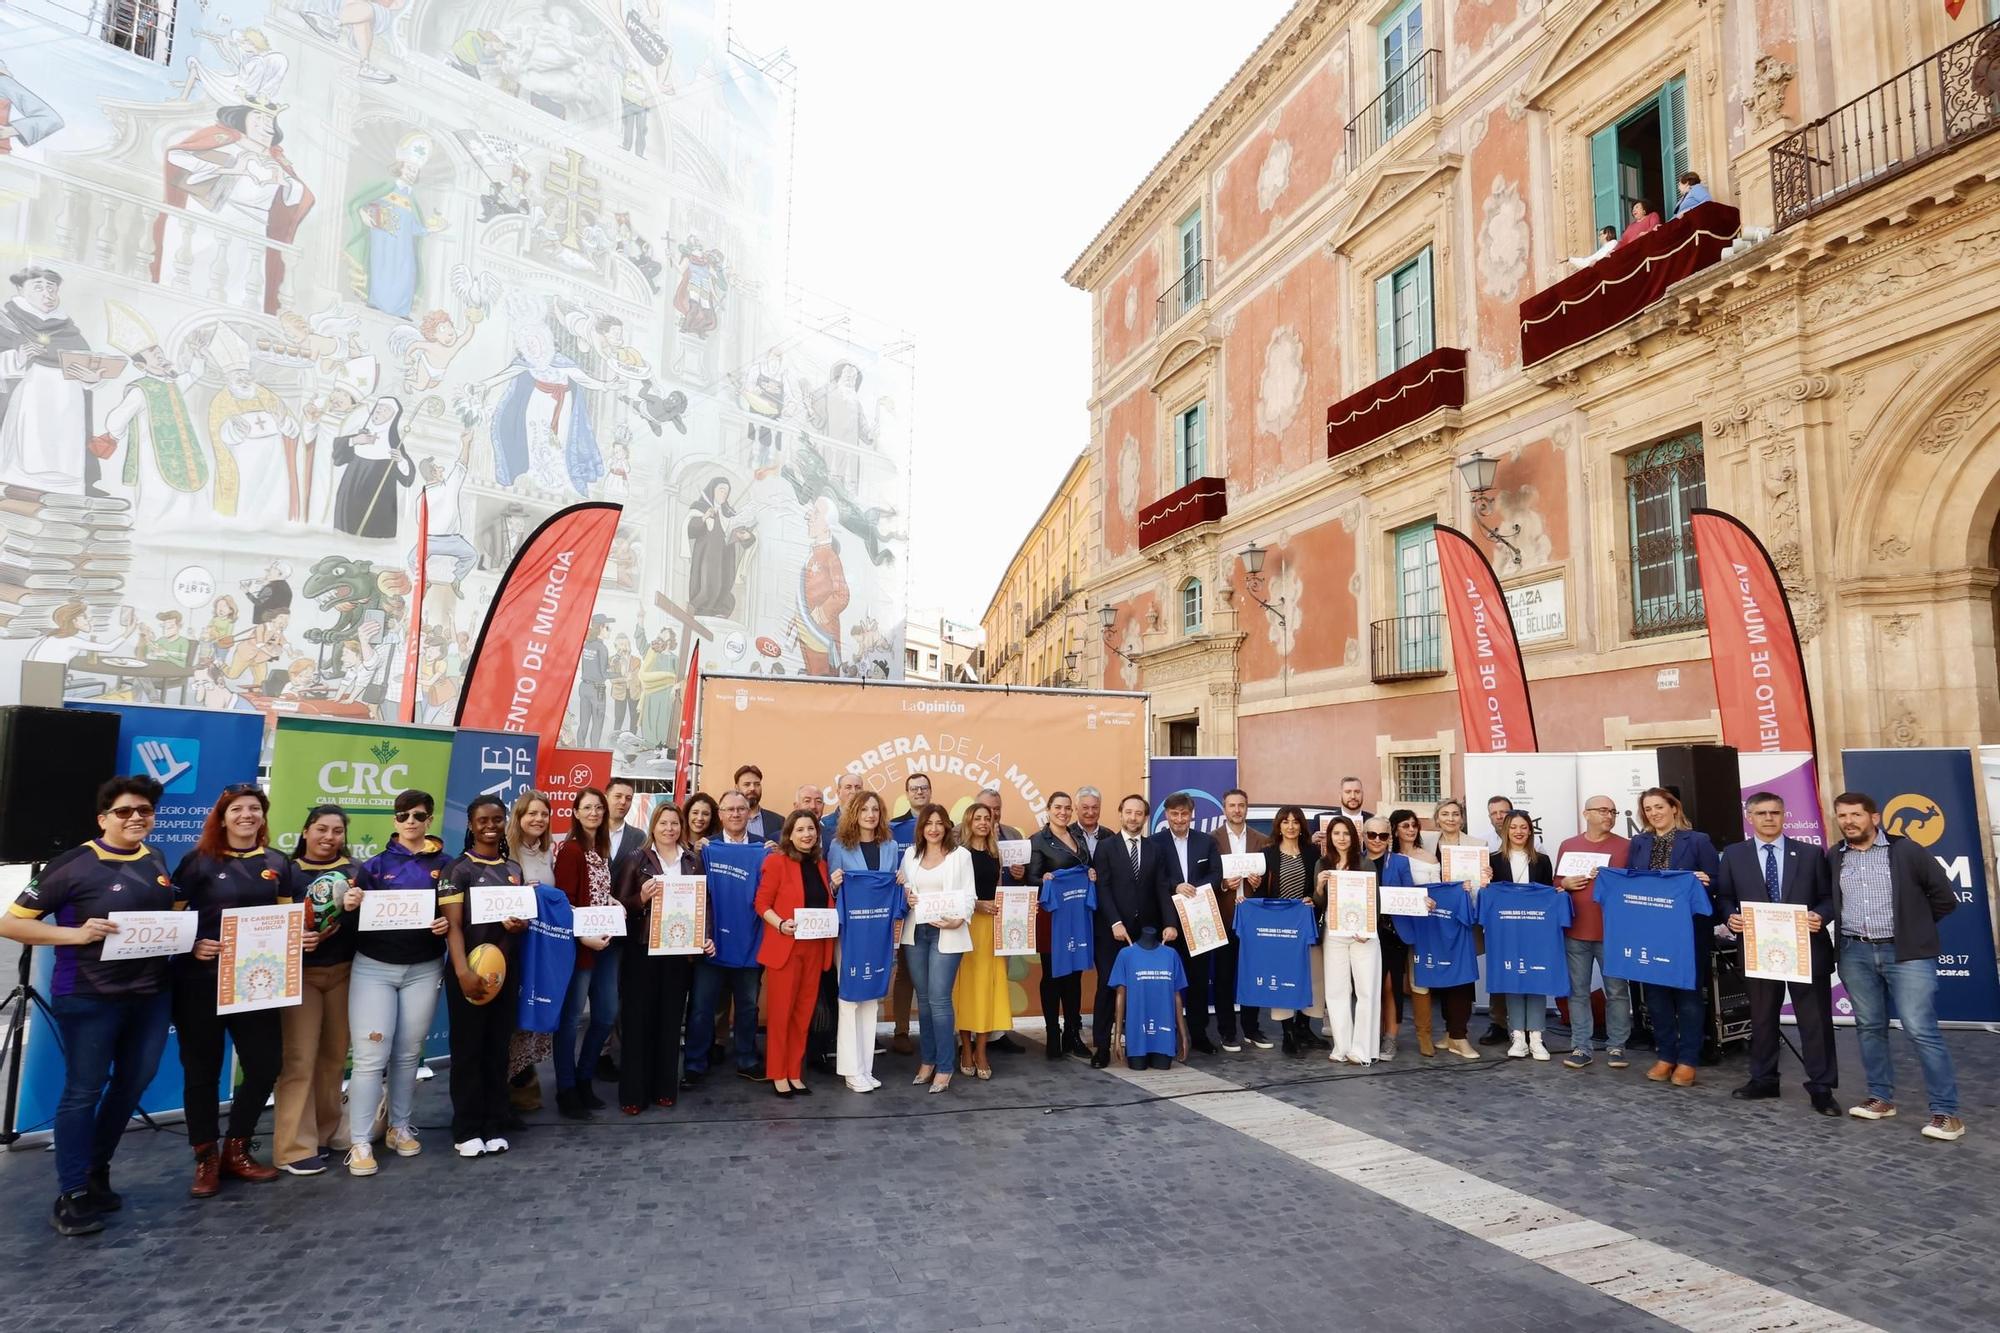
[[413, 816]]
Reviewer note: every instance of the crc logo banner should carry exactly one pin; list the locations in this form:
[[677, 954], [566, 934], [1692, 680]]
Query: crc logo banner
[[360, 766], [193, 754]]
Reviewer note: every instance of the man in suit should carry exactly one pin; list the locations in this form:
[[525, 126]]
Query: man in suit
[[1089, 809], [1130, 898], [1771, 867], [845, 790], [1189, 858], [625, 837], [1236, 836]]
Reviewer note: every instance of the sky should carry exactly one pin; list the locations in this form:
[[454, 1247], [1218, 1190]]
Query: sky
[[949, 169]]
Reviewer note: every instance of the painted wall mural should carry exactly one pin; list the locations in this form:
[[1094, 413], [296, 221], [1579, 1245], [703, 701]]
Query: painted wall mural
[[310, 263]]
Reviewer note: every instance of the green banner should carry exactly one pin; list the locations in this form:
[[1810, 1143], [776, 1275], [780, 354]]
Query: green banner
[[359, 766]]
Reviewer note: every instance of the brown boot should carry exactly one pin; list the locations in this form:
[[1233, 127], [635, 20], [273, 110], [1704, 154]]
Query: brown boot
[[207, 1172], [237, 1162], [1684, 1076], [1420, 1012]]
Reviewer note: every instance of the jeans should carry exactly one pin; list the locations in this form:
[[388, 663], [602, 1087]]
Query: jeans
[[1677, 1016], [389, 1012], [599, 984], [932, 975], [1529, 1012], [1583, 954], [111, 1050], [1874, 978], [450, 546], [709, 980]]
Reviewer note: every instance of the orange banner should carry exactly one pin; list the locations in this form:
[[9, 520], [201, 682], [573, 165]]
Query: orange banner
[[1026, 743], [1760, 679], [1493, 703], [563, 774]]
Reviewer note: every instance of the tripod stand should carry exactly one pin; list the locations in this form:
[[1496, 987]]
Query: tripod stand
[[23, 995]]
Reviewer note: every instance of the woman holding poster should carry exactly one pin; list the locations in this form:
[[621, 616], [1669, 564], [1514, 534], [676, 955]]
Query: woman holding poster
[[1291, 863], [862, 845], [308, 1115], [1054, 847], [1670, 842], [583, 873], [979, 999], [793, 877], [937, 882], [653, 990], [232, 865]]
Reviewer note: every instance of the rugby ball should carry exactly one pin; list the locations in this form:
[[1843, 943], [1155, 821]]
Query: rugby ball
[[491, 964]]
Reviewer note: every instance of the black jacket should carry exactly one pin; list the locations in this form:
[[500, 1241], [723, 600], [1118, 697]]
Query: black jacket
[[1134, 900], [1803, 879], [1918, 891], [1047, 854], [1540, 870]]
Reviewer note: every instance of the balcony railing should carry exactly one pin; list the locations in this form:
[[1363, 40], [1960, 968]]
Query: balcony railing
[[1406, 648], [1203, 500], [1407, 96], [1928, 109], [1183, 294]]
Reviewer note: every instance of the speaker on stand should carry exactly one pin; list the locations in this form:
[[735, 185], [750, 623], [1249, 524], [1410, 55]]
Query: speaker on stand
[[1710, 785]]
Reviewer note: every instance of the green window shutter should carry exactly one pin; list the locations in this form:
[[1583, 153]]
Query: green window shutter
[[1180, 450], [1673, 131], [1385, 324], [1426, 330], [1604, 180]]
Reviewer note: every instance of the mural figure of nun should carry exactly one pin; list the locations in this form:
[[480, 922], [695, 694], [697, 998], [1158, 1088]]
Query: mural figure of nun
[[715, 543], [374, 468]]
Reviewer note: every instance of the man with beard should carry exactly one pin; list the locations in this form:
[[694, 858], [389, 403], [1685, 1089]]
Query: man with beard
[[45, 394]]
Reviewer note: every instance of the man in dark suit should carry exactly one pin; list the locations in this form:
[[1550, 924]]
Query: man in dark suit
[[1234, 834], [1130, 898], [1773, 868], [1189, 858]]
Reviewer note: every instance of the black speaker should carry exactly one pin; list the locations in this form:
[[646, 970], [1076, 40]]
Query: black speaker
[[1705, 777], [52, 761]]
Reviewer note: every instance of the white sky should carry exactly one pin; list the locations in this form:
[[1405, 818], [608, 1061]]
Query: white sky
[[950, 167]]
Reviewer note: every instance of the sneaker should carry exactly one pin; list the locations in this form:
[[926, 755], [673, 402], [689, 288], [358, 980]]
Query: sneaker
[[1517, 1049], [1536, 1048], [873, 1082], [470, 1148], [73, 1215], [374, 75], [404, 1142], [361, 1160], [859, 1085], [1577, 1059], [1874, 1109], [1259, 1040], [1615, 1057], [305, 1166], [496, 1145], [1947, 1127], [1233, 1046], [1388, 1051]]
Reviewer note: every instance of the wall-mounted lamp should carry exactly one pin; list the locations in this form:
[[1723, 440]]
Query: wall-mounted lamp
[[1107, 617], [1253, 580], [1478, 473]]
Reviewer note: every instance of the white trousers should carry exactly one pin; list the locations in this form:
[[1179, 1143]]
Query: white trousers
[[1353, 996], [854, 1039]]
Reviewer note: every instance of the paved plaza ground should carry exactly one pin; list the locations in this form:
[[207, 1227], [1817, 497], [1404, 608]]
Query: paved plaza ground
[[1248, 1192]]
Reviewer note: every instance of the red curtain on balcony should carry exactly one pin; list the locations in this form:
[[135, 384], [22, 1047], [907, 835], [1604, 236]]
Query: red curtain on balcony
[[1202, 500], [1624, 282], [1418, 389]]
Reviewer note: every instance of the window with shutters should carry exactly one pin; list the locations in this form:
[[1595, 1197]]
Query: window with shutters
[[1190, 444], [1637, 158], [1192, 286], [1402, 39], [1664, 484], [1403, 322], [1191, 607]]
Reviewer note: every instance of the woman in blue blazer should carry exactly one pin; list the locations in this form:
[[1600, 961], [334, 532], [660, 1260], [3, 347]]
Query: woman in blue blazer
[[861, 841], [1669, 842]]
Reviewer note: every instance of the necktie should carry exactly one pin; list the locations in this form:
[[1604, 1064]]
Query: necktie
[[1133, 845], [1771, 872]]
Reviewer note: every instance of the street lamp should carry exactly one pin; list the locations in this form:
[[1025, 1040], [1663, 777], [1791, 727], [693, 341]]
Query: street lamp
[[1071, 660], [1107, 617], [1253, 580], [1478, 473]]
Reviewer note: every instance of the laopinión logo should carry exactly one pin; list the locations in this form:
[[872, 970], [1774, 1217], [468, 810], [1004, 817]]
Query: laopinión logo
[[932, 706]]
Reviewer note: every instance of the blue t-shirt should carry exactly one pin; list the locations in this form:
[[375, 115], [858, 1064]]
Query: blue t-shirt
[[733, 869], [1070, 899], [1274, 969], [1649, 924], [1153, 980], [903, 828], [1441, 944], [870, 903], [545, 960], [1524, 924]]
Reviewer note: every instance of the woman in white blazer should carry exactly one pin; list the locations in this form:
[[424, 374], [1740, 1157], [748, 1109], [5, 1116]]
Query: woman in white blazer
[[933, 947]]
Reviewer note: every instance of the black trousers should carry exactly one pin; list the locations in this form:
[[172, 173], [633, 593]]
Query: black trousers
[[652, 1007], [260, 1049], [1104, 1006], [480, 1034], [1217, 967], [1064, 994], [1813, 1006]]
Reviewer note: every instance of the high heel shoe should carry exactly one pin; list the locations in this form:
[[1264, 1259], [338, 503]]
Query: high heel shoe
[[924, 1073], [940, 1083]]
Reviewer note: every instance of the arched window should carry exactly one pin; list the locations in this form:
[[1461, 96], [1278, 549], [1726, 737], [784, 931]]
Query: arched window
[[1191, 607]]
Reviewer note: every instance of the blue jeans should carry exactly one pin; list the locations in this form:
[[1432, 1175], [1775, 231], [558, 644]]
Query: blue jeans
[[1617, 999], [389, 1011], [709, 980], [932, 975], [1527, 1013], [1676, 1016], [1873, 978], [598, 984], [111, 1050]]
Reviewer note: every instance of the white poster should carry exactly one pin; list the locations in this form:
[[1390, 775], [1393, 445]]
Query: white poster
[[1542, 784], [1619, 774]]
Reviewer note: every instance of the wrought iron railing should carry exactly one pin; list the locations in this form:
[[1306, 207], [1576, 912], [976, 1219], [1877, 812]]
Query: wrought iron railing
[[1406, 648], [1928, 109], [1183, 294], [1664, 484], [1413, 91]]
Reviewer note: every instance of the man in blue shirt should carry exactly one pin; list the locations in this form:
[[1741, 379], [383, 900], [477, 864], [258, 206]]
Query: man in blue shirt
[[736, 930], [1693, 193], [1774, 868]]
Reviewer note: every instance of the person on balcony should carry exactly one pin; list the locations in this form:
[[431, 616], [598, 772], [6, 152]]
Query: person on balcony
[[1644, 219], [1607, 238], [1693, 193]]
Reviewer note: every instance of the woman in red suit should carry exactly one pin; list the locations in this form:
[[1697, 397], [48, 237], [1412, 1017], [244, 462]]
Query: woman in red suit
[[793, 877]]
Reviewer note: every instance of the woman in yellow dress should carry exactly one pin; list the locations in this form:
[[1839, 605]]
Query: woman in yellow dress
[[979, 998]]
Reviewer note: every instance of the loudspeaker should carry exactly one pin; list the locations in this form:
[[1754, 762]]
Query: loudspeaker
[[52, 761], [1705, 778]]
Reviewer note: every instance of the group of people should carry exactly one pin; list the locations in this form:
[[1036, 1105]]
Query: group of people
[[822, 915], [1690, 194]]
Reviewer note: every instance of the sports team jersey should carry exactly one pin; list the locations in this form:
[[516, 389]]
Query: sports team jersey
[[1525, 954], [1070, 899], [1441, 943], [870, 903], [733, 870], [91, 881], [322, 886], [470, 872], [1649, 924], [1274, 967], [1153, 979], [209, 884], [397, 867]]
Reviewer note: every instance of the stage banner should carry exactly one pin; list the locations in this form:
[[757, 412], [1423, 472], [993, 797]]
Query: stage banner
[[359, 766], [1025, 743], [193, 753], [1760, 680], [684, 746], [1203, 779], [1493, 704], [562, 774], [1928, 796], [1620, 774], [497, 763], [524, 663]]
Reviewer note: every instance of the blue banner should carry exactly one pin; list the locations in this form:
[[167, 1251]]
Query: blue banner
[[1928, 797], [1203, 779], [500, 762], [193, 753]]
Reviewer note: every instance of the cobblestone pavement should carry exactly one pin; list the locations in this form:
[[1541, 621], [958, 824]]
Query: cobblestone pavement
[[1052, 1197]]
